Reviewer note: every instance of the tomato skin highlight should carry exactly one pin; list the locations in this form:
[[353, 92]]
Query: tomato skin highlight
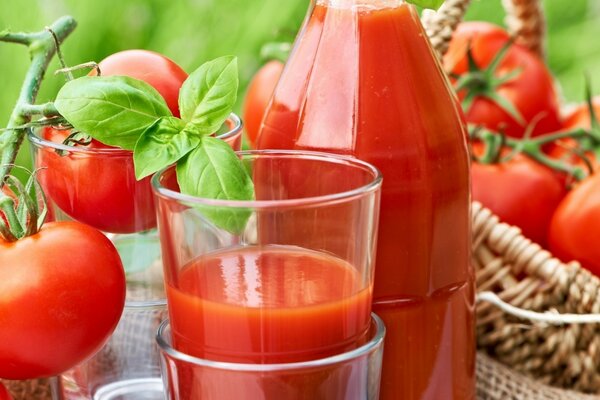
[[531, 92], [153, 68], [575, 226], [259, 94], [62, 292], [519, 191]]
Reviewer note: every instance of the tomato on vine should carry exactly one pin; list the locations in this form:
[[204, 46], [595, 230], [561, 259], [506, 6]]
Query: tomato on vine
[[585, 150], [575, 226], [95, 183], [519, 190], [579, 117], [62, 288], [502, 85]]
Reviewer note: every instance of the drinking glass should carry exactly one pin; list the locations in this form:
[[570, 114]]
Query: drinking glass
[[284, 278], [353, 375]]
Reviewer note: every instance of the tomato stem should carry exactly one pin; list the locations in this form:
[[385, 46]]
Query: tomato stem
[[15, 229], [46, 110], [42, 48], [532, 147]]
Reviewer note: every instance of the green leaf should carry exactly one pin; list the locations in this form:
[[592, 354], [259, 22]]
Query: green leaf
[[214, 171], [208, 95], [112, 109], [432, 4], [162, 144]]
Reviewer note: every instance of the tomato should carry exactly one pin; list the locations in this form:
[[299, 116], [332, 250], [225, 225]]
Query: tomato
[[564, 149], [99, 188], [520, 191], [259, 94], [579, 117], [531, 91], [153, 68], [96, 185], [575, 226], [4, 394], [62, 292]]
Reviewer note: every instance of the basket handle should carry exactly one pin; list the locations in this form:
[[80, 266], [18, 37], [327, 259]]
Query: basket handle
[[524, 18]]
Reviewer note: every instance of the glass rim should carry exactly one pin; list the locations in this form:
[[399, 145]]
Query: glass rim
[[373, 185], [372, 345], [40, 142]]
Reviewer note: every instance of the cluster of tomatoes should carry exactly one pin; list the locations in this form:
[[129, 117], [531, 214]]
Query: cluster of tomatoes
[[527, 186], [506, 89], [62, 288]]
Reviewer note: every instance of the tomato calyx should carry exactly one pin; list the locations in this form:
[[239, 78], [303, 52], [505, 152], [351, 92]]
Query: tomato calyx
[[484, 82], [23, 208]]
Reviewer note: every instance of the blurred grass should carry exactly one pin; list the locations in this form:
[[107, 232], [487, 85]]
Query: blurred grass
[[187, 31], [193, 31]]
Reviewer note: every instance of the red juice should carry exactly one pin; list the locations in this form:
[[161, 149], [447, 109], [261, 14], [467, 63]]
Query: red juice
[[270, 304], [362, 80]]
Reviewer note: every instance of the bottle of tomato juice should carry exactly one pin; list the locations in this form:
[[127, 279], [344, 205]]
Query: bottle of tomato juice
[[363, 80]]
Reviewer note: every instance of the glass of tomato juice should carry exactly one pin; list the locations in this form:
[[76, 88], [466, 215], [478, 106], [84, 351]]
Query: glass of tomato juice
[[284, 278], [96, 184]]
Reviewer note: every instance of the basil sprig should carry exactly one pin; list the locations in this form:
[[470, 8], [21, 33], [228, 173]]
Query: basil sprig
[[125, 112], [114, 110]]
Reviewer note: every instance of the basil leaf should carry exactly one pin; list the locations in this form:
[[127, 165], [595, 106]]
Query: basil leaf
[[112, 109], [208, 95], [432, 4], [214, 171], [162, 144]]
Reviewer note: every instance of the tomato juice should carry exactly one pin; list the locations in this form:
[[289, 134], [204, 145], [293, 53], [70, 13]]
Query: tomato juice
[[363, 80], [267, 304]]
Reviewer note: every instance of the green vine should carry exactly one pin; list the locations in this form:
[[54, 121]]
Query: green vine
[[533, 147], [42, 48]]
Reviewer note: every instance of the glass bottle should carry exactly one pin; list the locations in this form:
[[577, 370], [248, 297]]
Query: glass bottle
[[363, 80]]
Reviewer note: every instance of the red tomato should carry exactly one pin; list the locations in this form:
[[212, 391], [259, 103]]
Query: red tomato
[[100, 189], [531, 92], [575, 226], [62, 292], [579, 117], [521, 192], [564, 149], [259, 94], [4, 394], [153, 68], [96, 187]]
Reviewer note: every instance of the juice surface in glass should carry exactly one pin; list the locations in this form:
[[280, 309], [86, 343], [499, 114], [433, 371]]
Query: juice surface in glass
[[362, 80], [268, 304]]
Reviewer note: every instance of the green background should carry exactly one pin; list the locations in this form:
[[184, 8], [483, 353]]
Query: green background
[[193, 31]]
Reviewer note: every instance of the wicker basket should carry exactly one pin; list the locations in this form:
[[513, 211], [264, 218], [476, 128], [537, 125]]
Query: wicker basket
[[35, 389], [524, 275]]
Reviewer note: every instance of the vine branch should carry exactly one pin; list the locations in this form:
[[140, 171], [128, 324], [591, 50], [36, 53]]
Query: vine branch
[[42, 48]]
